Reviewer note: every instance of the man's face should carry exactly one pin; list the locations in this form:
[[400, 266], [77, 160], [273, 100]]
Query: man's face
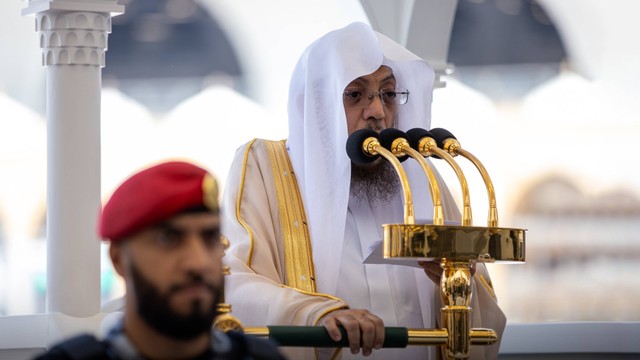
[[174, 273], [370, 113]]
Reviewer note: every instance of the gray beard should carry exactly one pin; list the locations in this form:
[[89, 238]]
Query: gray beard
[[376, 182]]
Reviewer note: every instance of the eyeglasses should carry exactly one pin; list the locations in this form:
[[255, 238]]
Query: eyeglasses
[[363, 97]]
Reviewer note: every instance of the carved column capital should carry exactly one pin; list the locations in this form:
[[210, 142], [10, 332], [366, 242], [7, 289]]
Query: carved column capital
[[73, 32], [73, 38]]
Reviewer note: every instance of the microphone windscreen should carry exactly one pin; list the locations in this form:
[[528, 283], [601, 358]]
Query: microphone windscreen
[[354, 146], [441, 135], [417, 134], [387, 136]]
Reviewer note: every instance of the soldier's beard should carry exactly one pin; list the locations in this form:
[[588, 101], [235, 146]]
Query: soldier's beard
[[155, 308], [376, 182]]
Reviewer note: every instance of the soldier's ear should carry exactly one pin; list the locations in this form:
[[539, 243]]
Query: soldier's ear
[[116, 253]]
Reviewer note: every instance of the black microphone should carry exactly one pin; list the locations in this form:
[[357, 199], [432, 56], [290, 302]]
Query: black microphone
[[387, 139], [420, 140], [417, 134], [442, 138], [363, 146], [357, 153]]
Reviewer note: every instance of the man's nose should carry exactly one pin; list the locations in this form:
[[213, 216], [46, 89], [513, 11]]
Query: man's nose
[[374, 111], [196, 255]]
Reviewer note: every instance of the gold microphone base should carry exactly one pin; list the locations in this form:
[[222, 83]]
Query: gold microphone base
[[456, 248], [225, 321], [414, 242]]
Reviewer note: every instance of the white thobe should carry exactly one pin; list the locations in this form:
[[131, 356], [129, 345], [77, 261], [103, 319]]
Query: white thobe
[[388, 291]]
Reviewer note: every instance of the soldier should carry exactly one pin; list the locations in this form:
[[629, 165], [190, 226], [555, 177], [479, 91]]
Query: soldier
[[164, 228]]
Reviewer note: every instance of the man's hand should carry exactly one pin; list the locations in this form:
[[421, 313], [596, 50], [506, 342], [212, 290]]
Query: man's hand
[[434, 271], [362, 327]]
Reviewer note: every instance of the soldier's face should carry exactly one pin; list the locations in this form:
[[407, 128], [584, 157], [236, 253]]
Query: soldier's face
[[174, 273]]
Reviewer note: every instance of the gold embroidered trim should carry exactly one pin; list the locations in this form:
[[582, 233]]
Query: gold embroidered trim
[[311, 293], [487, 285], [328, 311], [239, 201], [297, 244], [336, 353]]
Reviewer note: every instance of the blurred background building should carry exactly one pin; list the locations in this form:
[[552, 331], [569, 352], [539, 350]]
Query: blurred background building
[[544, 92]]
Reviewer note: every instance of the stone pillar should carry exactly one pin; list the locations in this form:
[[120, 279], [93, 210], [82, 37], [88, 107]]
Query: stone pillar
[[73, 38]]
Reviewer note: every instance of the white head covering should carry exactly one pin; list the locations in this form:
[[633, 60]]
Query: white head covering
[[318, 129]]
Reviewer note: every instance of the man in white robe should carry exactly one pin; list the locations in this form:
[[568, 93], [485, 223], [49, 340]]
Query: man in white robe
[[301, 220]]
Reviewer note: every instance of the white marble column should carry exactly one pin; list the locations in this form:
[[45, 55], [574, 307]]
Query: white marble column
[[73, 38]]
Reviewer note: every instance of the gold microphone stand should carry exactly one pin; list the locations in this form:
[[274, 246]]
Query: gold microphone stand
[[400, 147], [451, 145], [457, 248]]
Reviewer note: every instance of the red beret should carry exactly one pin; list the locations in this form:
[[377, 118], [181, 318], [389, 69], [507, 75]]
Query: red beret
[[154, 195]]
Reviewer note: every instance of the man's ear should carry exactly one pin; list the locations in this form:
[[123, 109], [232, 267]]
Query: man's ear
[[116, 252]]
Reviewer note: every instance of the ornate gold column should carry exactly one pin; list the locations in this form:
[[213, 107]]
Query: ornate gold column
[[457, 247]]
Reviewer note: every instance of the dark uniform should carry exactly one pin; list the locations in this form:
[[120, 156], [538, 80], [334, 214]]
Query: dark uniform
[[116, 346]]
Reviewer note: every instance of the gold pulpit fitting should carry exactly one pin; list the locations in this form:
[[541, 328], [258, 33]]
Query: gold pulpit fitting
[[452, 146], [224, 321], [401, 147], [427, 147], [457, 248]]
